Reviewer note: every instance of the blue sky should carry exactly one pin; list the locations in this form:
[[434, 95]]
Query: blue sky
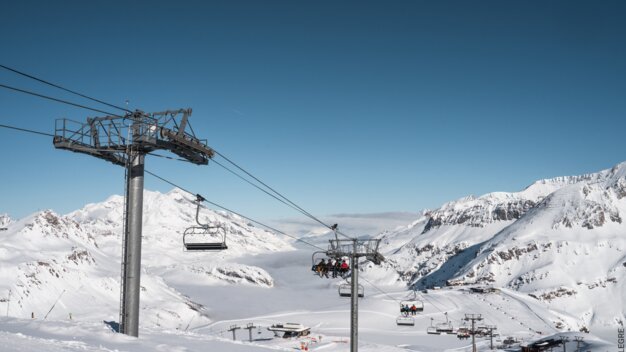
[[344, 107]]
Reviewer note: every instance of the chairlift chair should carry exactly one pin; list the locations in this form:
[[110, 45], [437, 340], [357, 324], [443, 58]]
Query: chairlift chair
[[205, 237], [432, 330], [445, 328], [463, 333], [316, 257], [405, 321], [417, 303], [345, 290]]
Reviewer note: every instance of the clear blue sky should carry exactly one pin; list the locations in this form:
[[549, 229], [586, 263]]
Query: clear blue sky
[[344, 106]]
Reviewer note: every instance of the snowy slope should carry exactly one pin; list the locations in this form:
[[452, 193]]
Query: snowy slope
[[452, 234], [569, 249], [560, 240], [75, 260]]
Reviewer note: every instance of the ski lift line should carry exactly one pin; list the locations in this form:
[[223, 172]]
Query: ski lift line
[[62, 88], [26, 130], [433, 304], [57, 100], [286, 201], [256, 186], [380, 290], [264, 225], [279, 194], [234, 212]]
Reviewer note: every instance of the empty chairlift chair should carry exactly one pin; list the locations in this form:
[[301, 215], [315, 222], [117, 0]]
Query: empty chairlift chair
[[445, 327], [432, 329], [345, 290], [205, 237], [403, 320]]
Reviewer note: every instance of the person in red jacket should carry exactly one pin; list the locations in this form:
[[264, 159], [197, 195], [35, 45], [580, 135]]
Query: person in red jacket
[[344, 267]]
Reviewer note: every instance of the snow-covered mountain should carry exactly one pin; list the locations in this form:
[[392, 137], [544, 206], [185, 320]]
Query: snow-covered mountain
[[559, 240], [556, 249], [46, 256]]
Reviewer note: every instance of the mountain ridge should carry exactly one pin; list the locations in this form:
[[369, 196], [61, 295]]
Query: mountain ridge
[[559, 240]]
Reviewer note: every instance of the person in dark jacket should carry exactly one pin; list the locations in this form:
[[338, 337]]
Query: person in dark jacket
[[321, 268]]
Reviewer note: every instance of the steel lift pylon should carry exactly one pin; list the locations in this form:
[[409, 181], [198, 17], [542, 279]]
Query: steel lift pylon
[[125, 141]]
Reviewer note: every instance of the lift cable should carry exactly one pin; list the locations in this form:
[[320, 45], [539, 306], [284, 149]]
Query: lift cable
[[388, 295], [284, 200], [234, 212], [433, 304], [58, 100], [254, 185], [26, 130], [62, 88], [238, 176], [306, 213], [380, 289]]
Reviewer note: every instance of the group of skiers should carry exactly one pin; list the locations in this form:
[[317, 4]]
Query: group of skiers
[[336, 267], [405, 309]]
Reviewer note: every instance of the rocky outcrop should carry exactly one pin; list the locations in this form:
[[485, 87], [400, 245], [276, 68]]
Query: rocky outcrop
[[478, 212]]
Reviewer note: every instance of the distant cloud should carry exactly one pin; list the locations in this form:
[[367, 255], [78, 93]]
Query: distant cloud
[[238, 112], [386, 215], [352, 224]]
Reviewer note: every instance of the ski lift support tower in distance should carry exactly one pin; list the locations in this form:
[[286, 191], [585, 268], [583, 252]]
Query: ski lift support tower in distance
[[211, 238], [354, 248], [125, 141]]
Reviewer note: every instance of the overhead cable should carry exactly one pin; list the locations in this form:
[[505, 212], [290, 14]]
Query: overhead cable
[[62, 88], [26, 130], [58, 100], [234, 212], [306, 213]]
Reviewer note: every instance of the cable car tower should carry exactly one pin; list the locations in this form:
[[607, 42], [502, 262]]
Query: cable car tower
[[354, 249], [125, 141]]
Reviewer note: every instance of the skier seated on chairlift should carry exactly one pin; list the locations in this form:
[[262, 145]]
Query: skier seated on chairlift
[[322, 269], [337, 268], [344, 267], [404, 310], [331, 267], [413, 309]]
